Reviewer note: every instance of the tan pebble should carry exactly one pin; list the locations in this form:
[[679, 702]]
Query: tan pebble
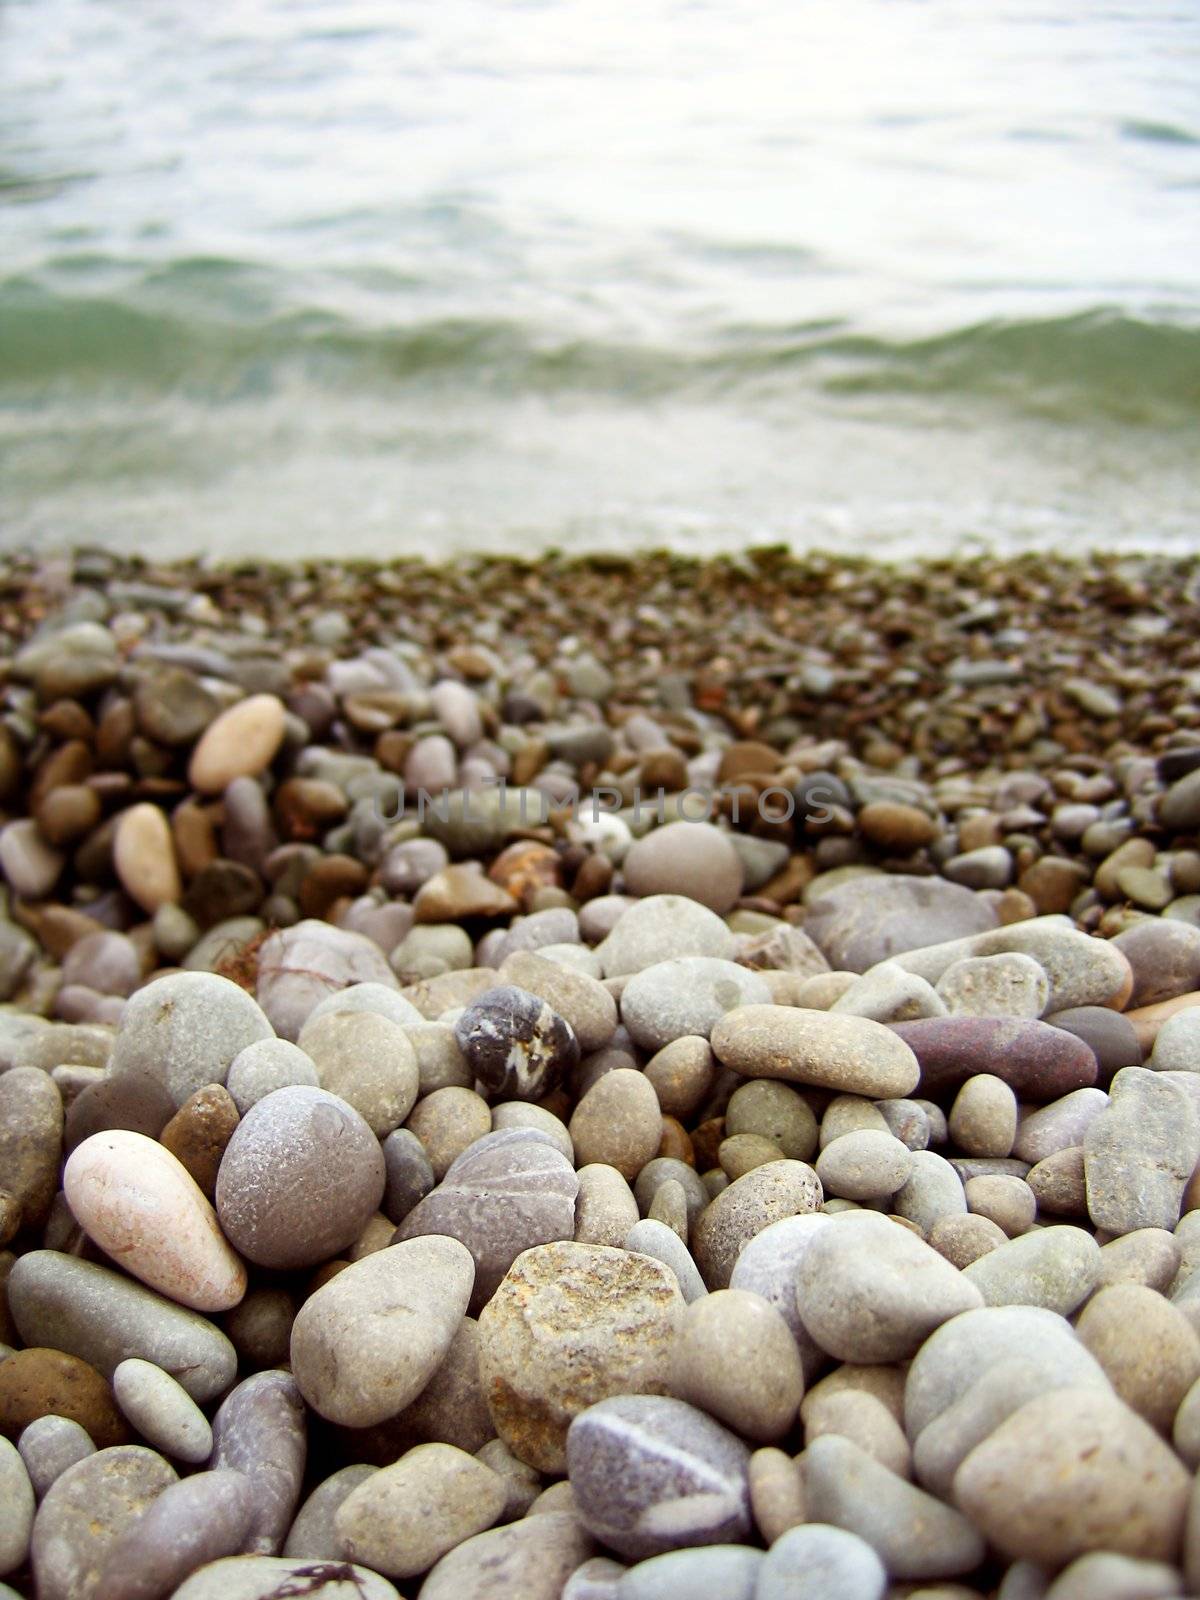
[[735, 1357], [983, 1118], [618, 1121], [199, 1131], [864, 1418], [377, 1235], [141, 1206], [144, 857], [446, 1122], [963, 1239], [885, 1383], [240, 743], [605, 1208], [742, 1152], [1147, 1346], [1004, 1199], [1147, 1255], [776, 1493]]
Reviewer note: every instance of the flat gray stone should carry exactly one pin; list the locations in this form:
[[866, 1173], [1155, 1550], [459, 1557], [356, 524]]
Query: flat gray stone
[[1055, 1268], [185, 1029], [817, 1561]]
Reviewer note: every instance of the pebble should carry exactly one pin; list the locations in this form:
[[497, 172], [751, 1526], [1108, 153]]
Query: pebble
[[1165, 956], [870, 1291], [240, 743], [735, 1358], [515, 1044], [768, 1265], [106, 962], [582, 1002], [188, 1525], [511, 1114], [653, 1474], [1139, 1152], [606, 1210], [686, 996], [265, 1066], [983, 1118], [1058, 1184], [1103, 1576], [86, 1511], [776, 1494], [199, 1133], [868, 920], [1074, 1471], [447, 1122], [135, 1200], [366, 1060], [49, 1445], [92, 1312], [409, 1175], [690, 858], [775, 1111], [1008, 985], [963, 1239], [31, 866], [300, 966], [1177, 1044], [1062, 1125], [163, 1413], [31, 1131], [618, 1122], [260, 1431], [655, 1239], [507, 1192], [765, 1195], [932, 1192], [1055, 1268], [1037, 1062], [1147, 1255], [721, 1572], [1004, 1199], [143, 853], [864, 1165], [16, 1509], [185, 1030], [1148, 1348], [862, 1417], [527, 1560], [850, 1055], [570, 1325], [313, 1535], [346, 1364], [37, 1382], [662, 927], [300, 1178], [817, 1561], [887, 993], [404, 1518], [271, 1577]]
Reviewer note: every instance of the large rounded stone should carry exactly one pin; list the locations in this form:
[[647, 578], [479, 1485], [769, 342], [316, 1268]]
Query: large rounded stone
[[867, 920], [185, 1029], [660, 928], [298, 967], [816, 1561], [86, 1511], [618, 1122], [346, 1357], [764, 1195], [515, 1044], [37, 1382], [653, 1474], [1055, 1268], [694, 859], [736, 1359], [851, 1055], [1037, 1062], [272, 1577], [686, 996], [368, 1061], [189, 1524], [1139, 1152], [299, 1180], [570, 1325]]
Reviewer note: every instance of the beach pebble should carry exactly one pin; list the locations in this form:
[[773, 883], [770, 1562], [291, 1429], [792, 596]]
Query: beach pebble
[[299, 1179], [765, 1195], [618, 1122], [135, 1200], [31, 866], [774, 1111], [515, 1044], [1054, 1268], [86, 1511], [963, 1239], [507, 1192], [932, 1192], [817, 1561], [447, 1122], [887, 993], [265, 1066], [106, 962], [143, 852], [16, 1508], [1165, 956], [404, 1518], [199, 1133], [1177, 1044], [695, 859], [94, 1313], [582, 1001], [367, 1061], [49, 1445], [653, 1474], [162, 1412], [861, 1416], [527, 1560], [1061, 1125], [300, 966], [736, 1359], [686, 996], [1073, 1471], [606, 1210], [655, 1239], [313, 1535], [260, 1430], [37, 1382], [185, 1029], [1101, 1575], [850, 1055], [1139, 1152], [868, 1290], [867, 920], [1147, 1255], [914, 1534], [572, 1324], [768, 1265], [271, 1577], [983, 1118], [720, 1571], [865, 1165], [1007, 985], [1004, 1199], [1038, 1062], [776, 1493], [347, 1367], [1148, 1348], [660, 928], [240, 743], [451, 1408], [31, 1131], [189, 1524], [409, 1175]]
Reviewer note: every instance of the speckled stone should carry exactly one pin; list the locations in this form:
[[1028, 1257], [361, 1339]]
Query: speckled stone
[[299, 1180], [1147, 1346], [652, 1474], [864, 1165], [527, 1560], [265, 1066], [135, 1200], [185, 1029], [37, 1382], [686, 996], [507, 1192], [1072, 1471], [31, 1130], [86, 1511], [765, 1195], [867, 920], [447, 1122], [346, 1366], [1006, 985], [606, 1210], [515, 1043], [368, 1061], [271, 1577], [618, 1122], [189, 1524], [570, 1325], [260, 1430], [49, 1445], [102, 1317], [851, 1055], [404, 1518], [1055, 1268], [199, 1133]]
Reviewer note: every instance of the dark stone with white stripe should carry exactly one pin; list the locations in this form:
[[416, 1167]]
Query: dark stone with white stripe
[[515, 1044]]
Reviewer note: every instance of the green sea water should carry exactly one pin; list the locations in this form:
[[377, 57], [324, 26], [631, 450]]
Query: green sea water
[[296, 277]]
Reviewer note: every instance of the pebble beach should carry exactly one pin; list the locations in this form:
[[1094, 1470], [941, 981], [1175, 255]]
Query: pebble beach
[[600, 1079]]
